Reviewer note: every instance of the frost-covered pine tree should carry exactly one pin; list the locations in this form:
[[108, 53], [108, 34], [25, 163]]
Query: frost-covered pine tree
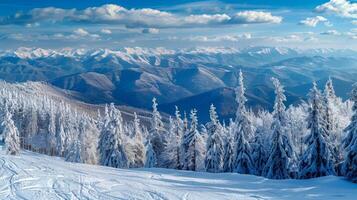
[[89, 135], [172, 154], [157, 132], [151, 158], [330, 105], [277, 166], [329, 100], [111, 149], [74, 153], [214, 146], [317, 159], [138, 148], [349, 168], [51, 136], [61, 136], [84, 146], [260, 141], [194, 146], [10, 132], [228, 159], [242, 130]]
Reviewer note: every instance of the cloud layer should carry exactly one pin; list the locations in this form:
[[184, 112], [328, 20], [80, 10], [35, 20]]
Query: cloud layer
[[137, 18], [341, 8], [313, 21]]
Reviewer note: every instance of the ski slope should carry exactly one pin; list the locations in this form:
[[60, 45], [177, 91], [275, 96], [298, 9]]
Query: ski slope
[[36, 176]]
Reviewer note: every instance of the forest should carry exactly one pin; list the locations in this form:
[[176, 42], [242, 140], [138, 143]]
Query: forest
[[315, 138]]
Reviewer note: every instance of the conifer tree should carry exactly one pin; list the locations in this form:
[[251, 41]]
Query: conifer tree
[[151, 160], [350, 142], [157, 132], [243, 129], [317, 159], [194, 146], [277, 166], [228, 159], [333, 139], [215, 151], [10, 132], [138, 148], [111, 149]]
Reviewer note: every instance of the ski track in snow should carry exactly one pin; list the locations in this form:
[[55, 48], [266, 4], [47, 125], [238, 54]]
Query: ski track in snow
[[35, 176]]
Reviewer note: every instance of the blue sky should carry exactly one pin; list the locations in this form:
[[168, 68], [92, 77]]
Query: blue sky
[[178, 24]]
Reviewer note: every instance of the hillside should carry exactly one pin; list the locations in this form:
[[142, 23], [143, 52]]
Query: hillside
[[35, 176]]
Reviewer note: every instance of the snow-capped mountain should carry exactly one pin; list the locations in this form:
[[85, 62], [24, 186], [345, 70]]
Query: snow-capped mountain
[[132, 76]]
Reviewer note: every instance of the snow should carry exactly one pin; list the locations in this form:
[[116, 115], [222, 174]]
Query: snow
[[36, 176]]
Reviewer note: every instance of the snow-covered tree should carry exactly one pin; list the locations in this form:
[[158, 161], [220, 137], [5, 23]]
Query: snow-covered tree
[[157, 132], [350, 142], [74, 153], [173, 150], [89, 135], [137, 148], [151, 160], [331, 103], [317, 159], [111, 149], [277, 166], [228, 159], [261, 140], [10, 132], [193, 145], [242, 130], [215, 149], [51, 136]]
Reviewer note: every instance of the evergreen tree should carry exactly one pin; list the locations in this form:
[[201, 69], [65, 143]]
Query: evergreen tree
[[194, 146], [51, 136], [228, 159], [243, 129], [139, 148], [111, 149], [151, 160], [157, 132], [350, 142], [259, 153], [215, 151], [10, 132], [277, 166], [173, 150], [316, 160], [330, 101]]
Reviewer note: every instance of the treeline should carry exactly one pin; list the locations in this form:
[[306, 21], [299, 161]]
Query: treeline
[[313, 139]]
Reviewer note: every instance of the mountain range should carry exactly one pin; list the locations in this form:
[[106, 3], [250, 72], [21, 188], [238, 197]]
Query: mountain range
[[188, 78]]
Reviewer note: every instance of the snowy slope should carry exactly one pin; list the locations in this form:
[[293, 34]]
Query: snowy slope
[[36, 176]]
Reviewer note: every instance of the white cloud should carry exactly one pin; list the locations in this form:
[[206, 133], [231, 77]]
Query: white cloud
[[220, 38], [330, 32], [151, 30], [354, 22], [256, 17], [106, 31], [138, 18], [314, 21], [81, 32], [341, 8], [297, 38]]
